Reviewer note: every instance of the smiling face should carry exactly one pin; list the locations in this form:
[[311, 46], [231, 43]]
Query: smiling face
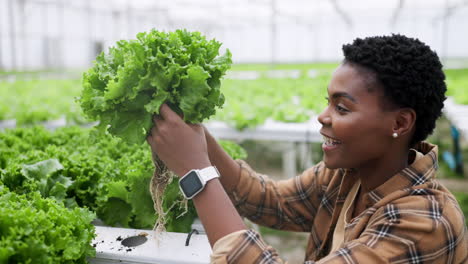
[[357, 130]]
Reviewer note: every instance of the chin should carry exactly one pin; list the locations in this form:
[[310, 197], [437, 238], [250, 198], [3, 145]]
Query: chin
[[331, 165]]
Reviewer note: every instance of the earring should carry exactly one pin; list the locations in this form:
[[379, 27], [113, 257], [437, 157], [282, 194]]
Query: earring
[[395, 135]]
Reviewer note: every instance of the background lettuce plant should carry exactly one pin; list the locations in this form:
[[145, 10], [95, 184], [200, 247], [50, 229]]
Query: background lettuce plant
[[34, 229]]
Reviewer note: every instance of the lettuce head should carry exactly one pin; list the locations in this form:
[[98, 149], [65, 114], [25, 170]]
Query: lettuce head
[[127, 85]]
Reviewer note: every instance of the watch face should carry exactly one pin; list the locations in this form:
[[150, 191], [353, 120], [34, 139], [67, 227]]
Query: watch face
[[190, 184]]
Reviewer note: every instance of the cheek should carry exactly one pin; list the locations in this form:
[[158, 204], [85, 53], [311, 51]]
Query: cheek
[[361, 130]]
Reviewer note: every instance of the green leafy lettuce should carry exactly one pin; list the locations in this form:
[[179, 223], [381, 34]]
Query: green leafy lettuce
[[127, 85], [109, 177], [39, 230], [233, 149]]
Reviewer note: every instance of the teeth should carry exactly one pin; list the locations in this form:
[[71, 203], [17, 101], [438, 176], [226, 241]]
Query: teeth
[[329, 141]]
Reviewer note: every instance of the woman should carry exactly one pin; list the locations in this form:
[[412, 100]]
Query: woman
[[373, 198]]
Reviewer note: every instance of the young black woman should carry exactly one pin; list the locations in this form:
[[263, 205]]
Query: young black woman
[[373, 198]]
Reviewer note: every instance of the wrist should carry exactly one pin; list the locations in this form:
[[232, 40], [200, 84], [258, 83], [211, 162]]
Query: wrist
[[195, 166], [195, 180]]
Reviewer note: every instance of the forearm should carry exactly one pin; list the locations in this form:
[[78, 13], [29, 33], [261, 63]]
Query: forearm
[[227, 167], [216, 212], [183, 147]]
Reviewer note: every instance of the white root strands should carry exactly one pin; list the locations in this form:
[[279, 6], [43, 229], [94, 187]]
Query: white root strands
[[161, 178]]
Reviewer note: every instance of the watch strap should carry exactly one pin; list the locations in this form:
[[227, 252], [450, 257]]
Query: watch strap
[[208, 173]]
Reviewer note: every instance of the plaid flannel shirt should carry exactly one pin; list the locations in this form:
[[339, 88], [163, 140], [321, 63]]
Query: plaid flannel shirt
[[411, 218]]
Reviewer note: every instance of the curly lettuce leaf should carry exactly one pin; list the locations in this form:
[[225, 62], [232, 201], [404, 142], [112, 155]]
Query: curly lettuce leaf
[[39, 230], [127, 85]]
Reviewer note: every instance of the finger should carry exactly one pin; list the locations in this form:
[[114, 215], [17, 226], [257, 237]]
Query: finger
[[167, 114], [150, 141], [151, 133], [157, 118]]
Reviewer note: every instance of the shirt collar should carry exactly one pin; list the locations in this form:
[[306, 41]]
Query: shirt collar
[[419, 172]]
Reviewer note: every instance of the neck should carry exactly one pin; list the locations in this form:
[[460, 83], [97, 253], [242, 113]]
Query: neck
[[376, 172]]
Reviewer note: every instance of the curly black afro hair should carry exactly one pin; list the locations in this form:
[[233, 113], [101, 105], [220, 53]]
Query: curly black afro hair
[[410, 73]]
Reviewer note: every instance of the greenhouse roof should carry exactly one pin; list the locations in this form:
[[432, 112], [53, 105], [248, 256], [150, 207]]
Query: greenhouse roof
[[302, 11]]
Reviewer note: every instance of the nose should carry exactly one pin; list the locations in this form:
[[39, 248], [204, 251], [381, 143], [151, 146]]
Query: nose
[[324, 117]]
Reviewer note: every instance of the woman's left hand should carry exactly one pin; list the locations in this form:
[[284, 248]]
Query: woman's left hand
[[181, 146]]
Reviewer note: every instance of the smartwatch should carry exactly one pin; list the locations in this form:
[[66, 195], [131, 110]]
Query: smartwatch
[[194, 181]]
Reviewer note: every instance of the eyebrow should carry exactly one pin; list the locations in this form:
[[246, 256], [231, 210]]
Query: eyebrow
[[345, 95]]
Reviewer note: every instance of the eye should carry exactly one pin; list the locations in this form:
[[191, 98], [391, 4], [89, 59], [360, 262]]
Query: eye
[[341, 109], [338, 107]]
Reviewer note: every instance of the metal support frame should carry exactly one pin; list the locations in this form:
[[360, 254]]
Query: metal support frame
[[11, 18], [293, 139], [22, 31], [342, 13], [289, 160], [396, 13], [1, 49], [457, 152], [458, 117], [274, 30]]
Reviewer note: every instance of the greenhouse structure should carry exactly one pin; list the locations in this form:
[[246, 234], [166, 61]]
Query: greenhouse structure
[[126, 128]]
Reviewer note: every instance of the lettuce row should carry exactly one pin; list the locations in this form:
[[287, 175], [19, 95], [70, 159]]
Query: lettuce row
[[109, 177], [63, 165]]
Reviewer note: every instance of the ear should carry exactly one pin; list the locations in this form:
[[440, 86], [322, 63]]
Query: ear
[[405, 120]]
